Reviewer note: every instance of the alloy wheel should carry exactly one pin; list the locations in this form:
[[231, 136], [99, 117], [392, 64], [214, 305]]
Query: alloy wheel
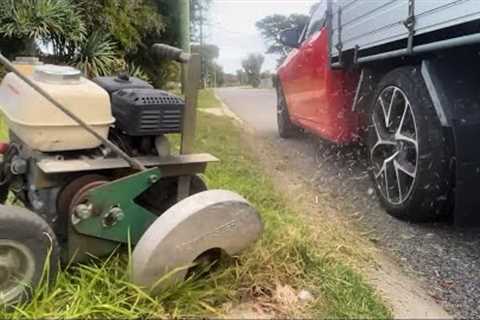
[[17, 268], [394, 155]]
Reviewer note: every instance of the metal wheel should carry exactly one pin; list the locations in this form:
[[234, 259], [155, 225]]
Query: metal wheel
[[394, 156], [29, 254], [17, 269]]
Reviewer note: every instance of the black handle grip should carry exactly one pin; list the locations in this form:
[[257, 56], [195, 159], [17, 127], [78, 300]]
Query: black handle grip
[[171, 53]]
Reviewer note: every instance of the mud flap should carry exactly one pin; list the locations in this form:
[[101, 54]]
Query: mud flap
[[209, 220], [454, 85]]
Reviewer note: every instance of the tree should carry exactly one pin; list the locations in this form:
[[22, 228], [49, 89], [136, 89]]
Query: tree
[[98, 36], [47, 21], [253, 67], [126, 21], [121, 33], [198, 16], [209, 53], [241, 77], [97, 56], [216, 75], [271, 26]]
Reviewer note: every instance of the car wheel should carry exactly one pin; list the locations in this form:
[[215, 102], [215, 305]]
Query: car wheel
[[408, 150], [27, 246], [286, 129]]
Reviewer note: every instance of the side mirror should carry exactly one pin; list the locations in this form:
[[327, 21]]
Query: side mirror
[[290, 38]]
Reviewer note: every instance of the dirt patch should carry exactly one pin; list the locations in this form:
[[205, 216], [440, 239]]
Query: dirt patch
[[283, 303], [402, 293]]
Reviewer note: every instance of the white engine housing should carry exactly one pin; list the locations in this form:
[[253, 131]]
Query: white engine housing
[[42, 126]]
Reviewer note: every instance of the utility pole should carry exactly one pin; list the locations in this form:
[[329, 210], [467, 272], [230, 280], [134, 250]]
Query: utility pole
[[214, 75], [184, 30], [184, 24], [202, 45]]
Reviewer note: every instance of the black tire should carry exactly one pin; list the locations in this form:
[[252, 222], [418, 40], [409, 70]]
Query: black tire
[[421, 164], [28, 240], [286, 129]]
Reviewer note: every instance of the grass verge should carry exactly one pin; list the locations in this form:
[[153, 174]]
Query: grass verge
[[286, 256], [207, 99]]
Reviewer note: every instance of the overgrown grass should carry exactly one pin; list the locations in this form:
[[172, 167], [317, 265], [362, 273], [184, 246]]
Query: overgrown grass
[[286, 255], [207, 99]]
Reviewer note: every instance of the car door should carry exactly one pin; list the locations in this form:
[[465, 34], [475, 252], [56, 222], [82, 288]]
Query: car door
[[328, 94], [313, 59], [292, 70]]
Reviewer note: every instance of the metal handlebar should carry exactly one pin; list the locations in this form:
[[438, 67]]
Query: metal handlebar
[[171, 53]]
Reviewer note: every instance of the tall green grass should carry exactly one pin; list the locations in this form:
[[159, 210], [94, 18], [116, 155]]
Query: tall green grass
[[207, 99]]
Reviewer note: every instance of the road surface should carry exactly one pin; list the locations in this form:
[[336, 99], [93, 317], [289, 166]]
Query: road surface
[[447, 259]]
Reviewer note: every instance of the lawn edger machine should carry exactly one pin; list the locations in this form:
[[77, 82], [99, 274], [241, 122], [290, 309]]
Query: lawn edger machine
[[91, 168]]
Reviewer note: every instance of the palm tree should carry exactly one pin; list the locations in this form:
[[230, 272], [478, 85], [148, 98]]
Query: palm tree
[[46, 21], [97, 55], [98, 37], [59, 26]]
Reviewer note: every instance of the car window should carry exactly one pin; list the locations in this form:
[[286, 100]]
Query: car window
[[317, 22]]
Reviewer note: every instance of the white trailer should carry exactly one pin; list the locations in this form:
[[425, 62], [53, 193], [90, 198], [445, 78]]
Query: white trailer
[[380, 29]]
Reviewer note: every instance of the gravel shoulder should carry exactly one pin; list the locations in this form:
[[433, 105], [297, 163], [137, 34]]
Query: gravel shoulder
[[442, 259]]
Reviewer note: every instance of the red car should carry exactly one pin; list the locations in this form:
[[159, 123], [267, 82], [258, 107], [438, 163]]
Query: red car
[[319, 98], [406, 71]]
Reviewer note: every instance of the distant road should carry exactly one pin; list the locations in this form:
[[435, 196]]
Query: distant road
[[254, 106]]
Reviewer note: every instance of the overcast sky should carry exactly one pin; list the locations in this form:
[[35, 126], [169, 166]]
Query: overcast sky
[[232, 27]]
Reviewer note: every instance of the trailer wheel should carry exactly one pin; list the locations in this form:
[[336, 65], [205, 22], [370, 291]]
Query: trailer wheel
[[27, 246], [286, 129], [408, 151]]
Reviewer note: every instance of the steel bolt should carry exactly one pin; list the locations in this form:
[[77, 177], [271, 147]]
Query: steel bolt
[[117, 214], [84, 211], [113, 216], [153, 179]]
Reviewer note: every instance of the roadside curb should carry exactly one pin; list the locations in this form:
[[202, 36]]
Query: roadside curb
[[225, 111]]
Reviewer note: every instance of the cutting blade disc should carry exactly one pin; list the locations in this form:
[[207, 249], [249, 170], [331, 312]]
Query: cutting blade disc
[[209, 220]]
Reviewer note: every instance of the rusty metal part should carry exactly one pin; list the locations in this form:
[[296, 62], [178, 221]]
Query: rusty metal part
[[80, 248], [80, 198]]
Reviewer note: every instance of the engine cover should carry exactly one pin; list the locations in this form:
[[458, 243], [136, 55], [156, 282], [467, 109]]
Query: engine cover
[[120, 82], [144, 112]]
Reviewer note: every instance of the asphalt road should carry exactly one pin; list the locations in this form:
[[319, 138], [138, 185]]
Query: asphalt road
[[446, 259]]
